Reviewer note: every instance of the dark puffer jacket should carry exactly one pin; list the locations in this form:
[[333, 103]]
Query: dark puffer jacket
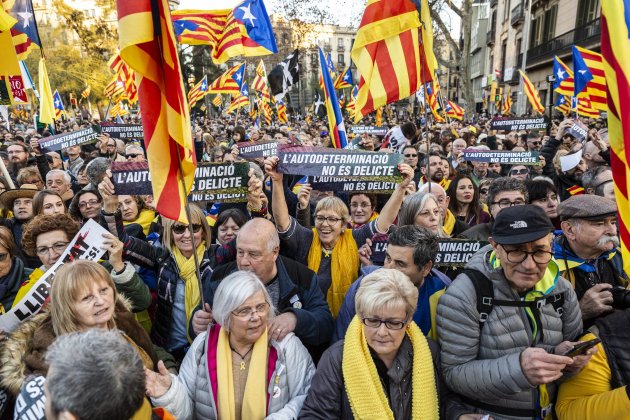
[[162, 262]]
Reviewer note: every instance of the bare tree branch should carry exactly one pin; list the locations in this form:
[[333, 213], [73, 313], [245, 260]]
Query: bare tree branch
[[445, 31]]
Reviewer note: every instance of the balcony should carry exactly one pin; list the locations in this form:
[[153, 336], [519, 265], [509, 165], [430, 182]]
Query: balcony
[[341, 48], [518, 15], [490, 37], [341, 64], [493, 3], [561, 45], [511, 76]]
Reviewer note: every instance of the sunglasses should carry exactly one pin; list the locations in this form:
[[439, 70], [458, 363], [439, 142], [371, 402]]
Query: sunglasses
[[519, 171], [134, 155], [180, 229], [483, 191], [411, 156]]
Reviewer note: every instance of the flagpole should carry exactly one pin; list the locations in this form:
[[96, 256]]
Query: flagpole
[[426, 120], [107, 109], [158, 36]]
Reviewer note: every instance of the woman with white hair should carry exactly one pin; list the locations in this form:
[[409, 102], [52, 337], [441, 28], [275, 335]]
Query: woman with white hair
[[422, 209], [385, 366], [233, 371]]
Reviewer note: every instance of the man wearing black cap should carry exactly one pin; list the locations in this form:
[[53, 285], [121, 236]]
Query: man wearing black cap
[[587, 254], [505, 321]]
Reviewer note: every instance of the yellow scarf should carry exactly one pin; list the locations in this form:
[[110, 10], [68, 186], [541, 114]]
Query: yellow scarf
[[363, 386], [144, 219], [188, 274], [374, 216], [255, 398], [344, 267], [449, 223]]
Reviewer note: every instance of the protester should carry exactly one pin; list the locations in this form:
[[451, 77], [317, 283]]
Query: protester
[[60, 181], [137, 217], [587, 253], [86, 205], [410, 250], [228, 224], [12, 270], [362, 209], [333, 253], [520, 172], [464, 201], [503, 356], [544, 194], [48, 202], [20, 202], [503, 193], [83, 296], [252, 375], [422, 209], [384, 365], [451, 225], [108, 365]]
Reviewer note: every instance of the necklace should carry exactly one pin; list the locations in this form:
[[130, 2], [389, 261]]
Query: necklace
[[242, 356]]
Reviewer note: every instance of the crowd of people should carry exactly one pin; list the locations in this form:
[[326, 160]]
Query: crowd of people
[[292, 315]]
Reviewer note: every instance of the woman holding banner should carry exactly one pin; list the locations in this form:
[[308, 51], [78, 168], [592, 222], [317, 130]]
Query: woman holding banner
[[178, 292], [334, 249], [83, 296], [48, 236]]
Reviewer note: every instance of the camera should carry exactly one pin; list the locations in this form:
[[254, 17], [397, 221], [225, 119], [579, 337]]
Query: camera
[[621, 297]]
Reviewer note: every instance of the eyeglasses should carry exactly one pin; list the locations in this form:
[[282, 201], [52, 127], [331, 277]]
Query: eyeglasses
[[134, 155], [517, 256], [483, 191], [330, 220], [390, 325], [58, 247], [507, 203], [3, 256], [249, 312], [523, 171], [85, 204], [410, 156], [362, 205], [180, 229]]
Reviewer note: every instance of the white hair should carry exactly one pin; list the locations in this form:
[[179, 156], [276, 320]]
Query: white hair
[[233, 291], [65, 174]]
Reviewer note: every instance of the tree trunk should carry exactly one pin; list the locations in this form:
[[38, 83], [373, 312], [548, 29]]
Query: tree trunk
[[465, 57]]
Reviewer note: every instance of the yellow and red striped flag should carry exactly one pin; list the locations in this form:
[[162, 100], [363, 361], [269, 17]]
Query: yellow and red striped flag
[[217, 100], [230, 81], [616, 53], [151, 51], [507, 102], [387, 51], [563, 104], [86, 91], [595, 88], [282, 112], [197, 92], [585, 107], [532, 94], [454, 111], [6, 20]]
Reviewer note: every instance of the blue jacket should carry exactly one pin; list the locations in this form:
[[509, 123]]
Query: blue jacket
[[299, 294], [434, 285]]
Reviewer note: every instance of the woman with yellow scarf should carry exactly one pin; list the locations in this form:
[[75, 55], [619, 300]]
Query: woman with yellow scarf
[[235, 371], [385, 368], [334, 249]]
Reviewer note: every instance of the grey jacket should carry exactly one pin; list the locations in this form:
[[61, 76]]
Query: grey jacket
[[484, 365], [190, 394]]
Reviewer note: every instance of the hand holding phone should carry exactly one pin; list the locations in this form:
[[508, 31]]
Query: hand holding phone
[[581, 348]]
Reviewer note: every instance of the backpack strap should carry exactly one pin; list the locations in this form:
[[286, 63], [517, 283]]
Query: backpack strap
[[485, 294]]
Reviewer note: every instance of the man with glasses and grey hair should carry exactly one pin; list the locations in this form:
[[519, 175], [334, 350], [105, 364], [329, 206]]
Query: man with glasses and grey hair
[[293, 287], [502, 193], [506, 322]]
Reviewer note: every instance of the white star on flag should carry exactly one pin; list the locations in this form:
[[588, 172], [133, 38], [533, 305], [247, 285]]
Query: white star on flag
[[26, 16], [560, 74], [247, 14]]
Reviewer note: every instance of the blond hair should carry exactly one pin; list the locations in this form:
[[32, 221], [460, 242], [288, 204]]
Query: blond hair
[[197, 216], [70, 280], [386, 289], [336, 205]]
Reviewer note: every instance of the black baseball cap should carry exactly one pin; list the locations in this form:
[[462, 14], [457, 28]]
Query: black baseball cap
[[521, 224]]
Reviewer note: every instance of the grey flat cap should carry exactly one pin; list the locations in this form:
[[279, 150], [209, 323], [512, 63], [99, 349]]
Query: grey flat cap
[[587, 206]]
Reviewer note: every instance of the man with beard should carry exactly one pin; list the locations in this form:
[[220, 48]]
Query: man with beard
[[20, 202], [109, 149], [18, 157], [436, 170], [481, 169], [587, 253]]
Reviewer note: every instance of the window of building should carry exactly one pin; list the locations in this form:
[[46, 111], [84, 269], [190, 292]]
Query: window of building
[[340, 42], [588, 10], [549, 28], [340, 59], [519, 44]]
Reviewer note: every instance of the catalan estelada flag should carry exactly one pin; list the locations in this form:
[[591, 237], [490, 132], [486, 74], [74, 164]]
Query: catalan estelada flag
[[24, 32], [584, 107], [245, 30], [563, 104], [282, 112], [229, 82], [388, 53], [563, 84], [616, 53], [58, 103], [596, 86], [454, 111], [198, 92], [126, 75], [241, 100], [336, 126], [532, 94], [147, 45], [344, 80]]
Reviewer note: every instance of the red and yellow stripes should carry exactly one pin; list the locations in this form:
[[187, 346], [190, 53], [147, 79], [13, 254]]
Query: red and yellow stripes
[[152, 53], [201, 27], [532, 94], [226, 83], [596, 88], [616, 54], [388, 54]]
